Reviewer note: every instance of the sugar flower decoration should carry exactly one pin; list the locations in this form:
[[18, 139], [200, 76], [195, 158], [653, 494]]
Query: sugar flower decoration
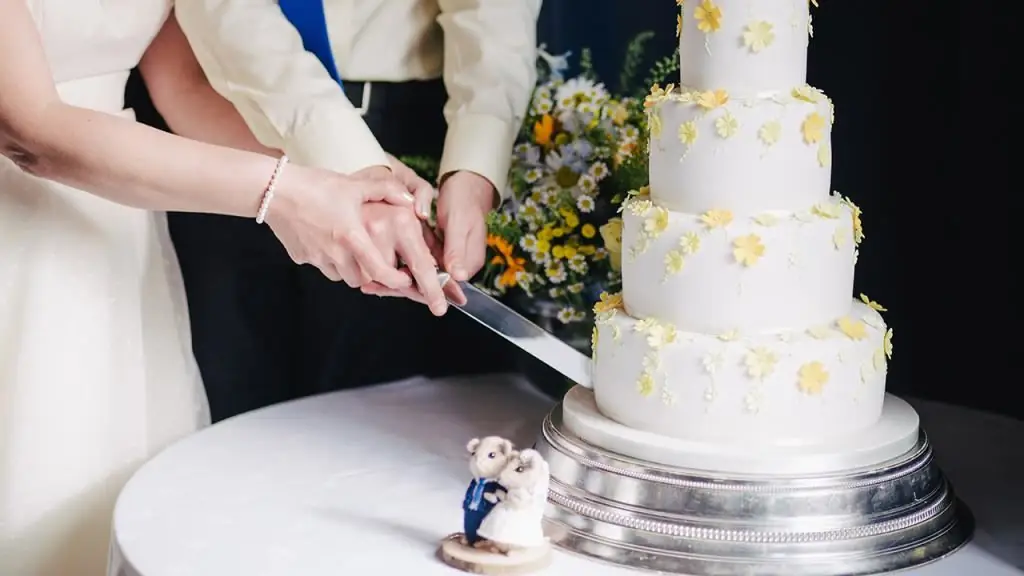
[[716, 218], [688, 132], [770, 132], [760, 363], [813, 128], [748, 249], [708, 16], [812, 378], [712, 99], [758, 35], [872, 304], [689, 243], [674, 262], [657, 222], [679, 25], [609, 303], [853, 329], [887, 343], [824, 155], [645, 384], [807, 94], [726, 125]]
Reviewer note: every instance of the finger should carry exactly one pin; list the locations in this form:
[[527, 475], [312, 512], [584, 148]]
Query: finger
[[476, 246], [328, 270], [375, 289], [358, 243], [421, 264], [388, 190], [348, 268], [455, 235], [424, 194]]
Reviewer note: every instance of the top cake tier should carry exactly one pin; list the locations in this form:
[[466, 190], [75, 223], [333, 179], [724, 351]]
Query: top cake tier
[[746, 47]]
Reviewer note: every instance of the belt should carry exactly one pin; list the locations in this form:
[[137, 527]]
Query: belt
[[371, 96]]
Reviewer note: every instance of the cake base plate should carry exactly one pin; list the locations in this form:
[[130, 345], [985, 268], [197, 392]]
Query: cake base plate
[[895, 433], [476, 561], [889, 516]]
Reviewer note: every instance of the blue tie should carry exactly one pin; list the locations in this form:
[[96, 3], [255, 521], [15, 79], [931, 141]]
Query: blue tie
[[307, 16]]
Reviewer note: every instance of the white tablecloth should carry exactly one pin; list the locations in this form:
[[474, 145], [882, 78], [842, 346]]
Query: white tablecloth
[[367, 482]]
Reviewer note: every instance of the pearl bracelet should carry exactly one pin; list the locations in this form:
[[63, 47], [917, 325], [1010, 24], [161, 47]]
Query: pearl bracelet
[[268, 194]]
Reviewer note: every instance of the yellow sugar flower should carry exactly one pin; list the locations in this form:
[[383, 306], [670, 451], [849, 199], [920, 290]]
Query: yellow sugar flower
[[872, 304], [674, 262], [716, 218], [854, 329], [726, 125], [688, 132], [827, 210], [807, 94], [813, 128], [824, 155], [748, 249], [812, 378], [887, 343], [656, 223], [839, 238], [760, 363], [767, 219], [712, 99], [758, 35], [679, 25], [645, 384], [708, 16], [608, 303], [654, 125], [770, 132], [689, 243]]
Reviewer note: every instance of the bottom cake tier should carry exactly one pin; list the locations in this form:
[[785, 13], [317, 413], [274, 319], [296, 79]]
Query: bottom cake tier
[[785, 388]]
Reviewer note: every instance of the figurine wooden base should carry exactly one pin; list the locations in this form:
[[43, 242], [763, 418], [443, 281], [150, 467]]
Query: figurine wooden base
[[477, 561]]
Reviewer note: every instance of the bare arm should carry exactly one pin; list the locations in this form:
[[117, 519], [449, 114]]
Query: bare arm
[[109, 156], [186, 100]]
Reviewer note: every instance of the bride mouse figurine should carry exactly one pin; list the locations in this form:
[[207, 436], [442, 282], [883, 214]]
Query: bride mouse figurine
[[503, 511]]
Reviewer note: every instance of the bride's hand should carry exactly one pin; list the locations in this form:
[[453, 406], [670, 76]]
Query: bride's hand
[[317, 215], [403, 238]]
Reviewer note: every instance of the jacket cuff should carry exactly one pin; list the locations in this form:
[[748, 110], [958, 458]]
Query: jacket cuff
[[480, 144], [342, 143]]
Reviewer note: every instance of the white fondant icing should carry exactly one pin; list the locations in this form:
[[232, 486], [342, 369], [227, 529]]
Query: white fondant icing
[[637, 360], [713, 293], [742, 173], [892, 436], [722, 58]]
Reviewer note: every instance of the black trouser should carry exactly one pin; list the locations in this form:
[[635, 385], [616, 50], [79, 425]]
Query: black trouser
[[265, 330]]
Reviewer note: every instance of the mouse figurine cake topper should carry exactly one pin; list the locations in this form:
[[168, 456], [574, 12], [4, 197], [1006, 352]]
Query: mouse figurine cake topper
[[502, 509]]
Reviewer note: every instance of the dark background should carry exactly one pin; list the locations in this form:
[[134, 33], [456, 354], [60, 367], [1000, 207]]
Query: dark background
[[919, 144]]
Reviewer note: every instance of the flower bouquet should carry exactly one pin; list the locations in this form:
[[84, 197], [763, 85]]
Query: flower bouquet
[[555, 245]]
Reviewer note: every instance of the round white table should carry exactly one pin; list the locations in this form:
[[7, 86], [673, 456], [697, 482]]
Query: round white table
[[367, 482]]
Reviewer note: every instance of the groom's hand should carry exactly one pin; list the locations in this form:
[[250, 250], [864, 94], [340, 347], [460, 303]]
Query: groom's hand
[[463, 202]]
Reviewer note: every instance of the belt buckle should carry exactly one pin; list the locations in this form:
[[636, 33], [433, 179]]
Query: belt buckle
[[364, 107]]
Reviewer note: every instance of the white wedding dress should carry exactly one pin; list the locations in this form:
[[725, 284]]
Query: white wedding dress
[[96, 368]]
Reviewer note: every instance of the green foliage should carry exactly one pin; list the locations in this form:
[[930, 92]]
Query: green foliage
[[635, 51], [587, 64], [660, 72], [425, 166]]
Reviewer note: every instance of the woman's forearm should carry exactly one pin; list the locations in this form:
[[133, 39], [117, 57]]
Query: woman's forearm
[[200, 113], [135, 165]]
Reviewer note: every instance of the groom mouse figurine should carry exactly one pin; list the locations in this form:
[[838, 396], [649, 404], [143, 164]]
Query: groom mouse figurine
[[488, 458]]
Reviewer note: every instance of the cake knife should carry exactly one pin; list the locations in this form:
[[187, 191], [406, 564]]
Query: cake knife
[[522, 333]]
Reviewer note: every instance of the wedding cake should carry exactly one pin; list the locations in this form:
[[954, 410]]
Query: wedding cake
[[737, 321]]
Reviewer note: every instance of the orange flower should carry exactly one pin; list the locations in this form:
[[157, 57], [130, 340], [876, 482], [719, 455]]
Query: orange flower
[[543, 129], [504, 257]]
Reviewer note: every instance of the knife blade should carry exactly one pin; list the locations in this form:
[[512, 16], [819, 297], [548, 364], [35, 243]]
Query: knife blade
[[522, 333]]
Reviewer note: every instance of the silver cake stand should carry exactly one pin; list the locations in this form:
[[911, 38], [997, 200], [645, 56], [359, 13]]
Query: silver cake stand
[[894, 515]]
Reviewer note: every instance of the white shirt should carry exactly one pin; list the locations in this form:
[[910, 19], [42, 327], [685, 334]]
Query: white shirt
[[484, 49]]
